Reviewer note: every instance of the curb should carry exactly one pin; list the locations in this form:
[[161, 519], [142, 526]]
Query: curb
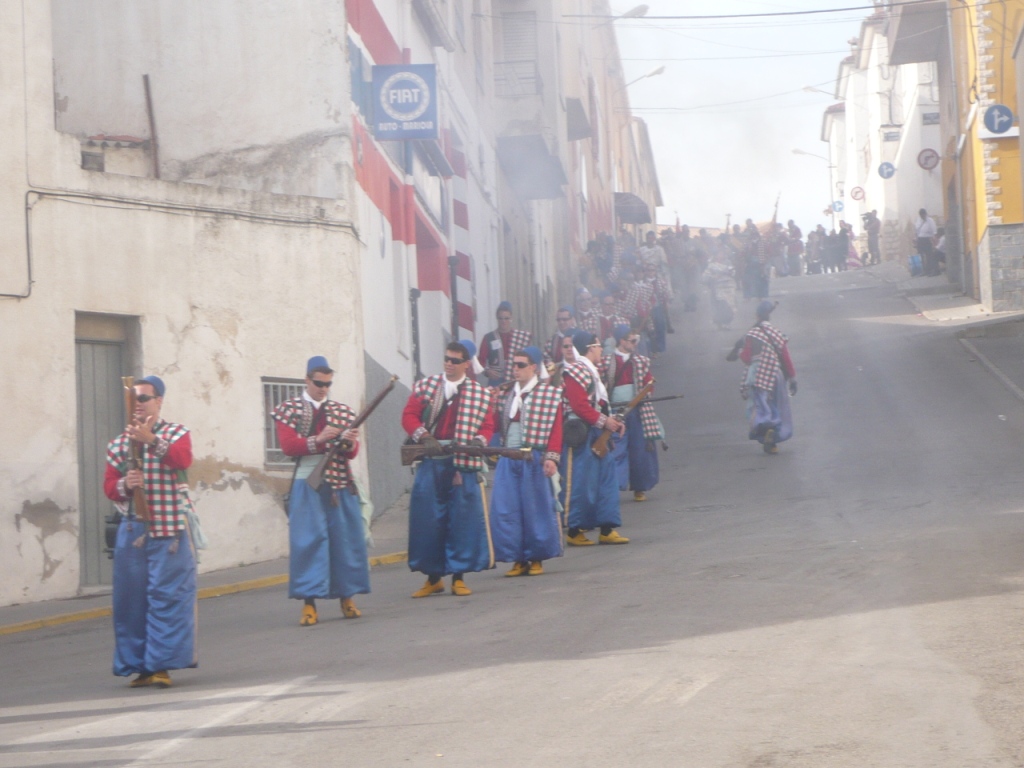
[[993, 369], [201, 594]]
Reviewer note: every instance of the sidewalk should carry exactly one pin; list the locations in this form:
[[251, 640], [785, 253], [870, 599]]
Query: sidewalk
[[996, 340], [390, 532]]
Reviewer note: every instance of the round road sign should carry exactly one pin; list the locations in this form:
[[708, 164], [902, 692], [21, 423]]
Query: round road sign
[[837, 206], [857, 193], [928, 159], [887, 170]]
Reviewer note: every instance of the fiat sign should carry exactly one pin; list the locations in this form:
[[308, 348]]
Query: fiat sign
[[405, 102]]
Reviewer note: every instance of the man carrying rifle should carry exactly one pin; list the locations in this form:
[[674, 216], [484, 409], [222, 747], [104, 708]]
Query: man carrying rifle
[[326, 534], [594, 498], [449, 532], [154, 601], [625, 373], [526, 527]]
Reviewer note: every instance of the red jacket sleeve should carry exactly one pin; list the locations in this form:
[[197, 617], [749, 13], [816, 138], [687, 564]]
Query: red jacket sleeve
[[489, 425], [747, 353], [555, 439], [579, 402], [412, 415], [110, 484], [787, 363], [178, 456]]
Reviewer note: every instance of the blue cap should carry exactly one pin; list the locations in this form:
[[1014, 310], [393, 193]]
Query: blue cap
[[570, 310], [505, 306], [764, 309], [317, 361], [533, 353], [156, 383], [621, 331], [470, 348]]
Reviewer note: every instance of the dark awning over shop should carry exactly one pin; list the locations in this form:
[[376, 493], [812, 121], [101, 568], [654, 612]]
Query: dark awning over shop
[[576, 121], [531, 169], [630, 209]]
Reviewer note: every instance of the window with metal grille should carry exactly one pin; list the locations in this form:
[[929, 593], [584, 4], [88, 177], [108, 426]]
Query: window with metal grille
[[275, 392]]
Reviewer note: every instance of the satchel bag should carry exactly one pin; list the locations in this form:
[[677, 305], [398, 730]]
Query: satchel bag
[[199, 540]]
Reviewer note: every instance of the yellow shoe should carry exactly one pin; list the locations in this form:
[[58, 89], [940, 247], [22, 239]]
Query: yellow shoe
[[536, 568], [613, 538], [349, 610], [518, 569], [429, 589], [141, 681], [579, 540], [459, 588], [309, 617], [639, 496], [161, 680]]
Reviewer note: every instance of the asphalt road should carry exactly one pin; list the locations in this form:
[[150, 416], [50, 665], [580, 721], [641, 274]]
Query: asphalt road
[[853, 601]]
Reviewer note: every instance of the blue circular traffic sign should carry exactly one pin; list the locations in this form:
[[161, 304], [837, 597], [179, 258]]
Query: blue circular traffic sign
[[837, 206], [998, 118], [887, 170]]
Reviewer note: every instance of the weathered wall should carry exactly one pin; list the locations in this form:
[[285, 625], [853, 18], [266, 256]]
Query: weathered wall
[[1002, 249], [227, 286], [244, 95], [209, 327]]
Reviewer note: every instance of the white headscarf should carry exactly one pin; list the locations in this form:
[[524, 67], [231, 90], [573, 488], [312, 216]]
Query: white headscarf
[[602, 391], [517, 395]]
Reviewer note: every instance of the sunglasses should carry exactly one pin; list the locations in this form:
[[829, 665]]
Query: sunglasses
[[321, 383], [454, 360], [145, 398], [519, 364], [563, 319]]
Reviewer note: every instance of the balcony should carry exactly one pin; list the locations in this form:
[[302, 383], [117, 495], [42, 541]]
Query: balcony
[[515, 79]]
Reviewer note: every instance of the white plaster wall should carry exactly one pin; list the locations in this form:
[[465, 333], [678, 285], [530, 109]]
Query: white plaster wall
[[13, 270], [243, 92], [229, 286]]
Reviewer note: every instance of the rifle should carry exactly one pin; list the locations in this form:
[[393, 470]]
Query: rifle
[[417, 451], [600, 446], [316, 477], [649, 400], [137, 495]]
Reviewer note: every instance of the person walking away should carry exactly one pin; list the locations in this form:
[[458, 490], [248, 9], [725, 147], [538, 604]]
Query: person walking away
[[449, 530], [794, 248], [154, 589], [635, 456], [873, 228], [524, 523], [326, 533], [768, 381], [926, 231]]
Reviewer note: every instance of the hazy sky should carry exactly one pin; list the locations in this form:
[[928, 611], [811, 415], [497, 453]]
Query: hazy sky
[[730, 107]]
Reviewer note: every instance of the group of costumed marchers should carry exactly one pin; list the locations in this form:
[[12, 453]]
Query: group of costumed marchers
[[544, 481]]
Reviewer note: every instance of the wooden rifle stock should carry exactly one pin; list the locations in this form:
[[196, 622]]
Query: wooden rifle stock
[[600, 446], [137, 495], [316, 477], [649, 400], [416, 451]]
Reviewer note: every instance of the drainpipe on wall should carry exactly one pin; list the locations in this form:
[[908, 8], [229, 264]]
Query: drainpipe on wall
[[957, 154], [414, 295], [453, 265]]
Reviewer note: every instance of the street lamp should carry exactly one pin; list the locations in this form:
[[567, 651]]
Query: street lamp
[[653, 73], [632, 13], [810, 154], [830, 167]]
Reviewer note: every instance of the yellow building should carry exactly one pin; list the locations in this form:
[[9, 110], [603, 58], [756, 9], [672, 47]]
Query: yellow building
[[975, 46]]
